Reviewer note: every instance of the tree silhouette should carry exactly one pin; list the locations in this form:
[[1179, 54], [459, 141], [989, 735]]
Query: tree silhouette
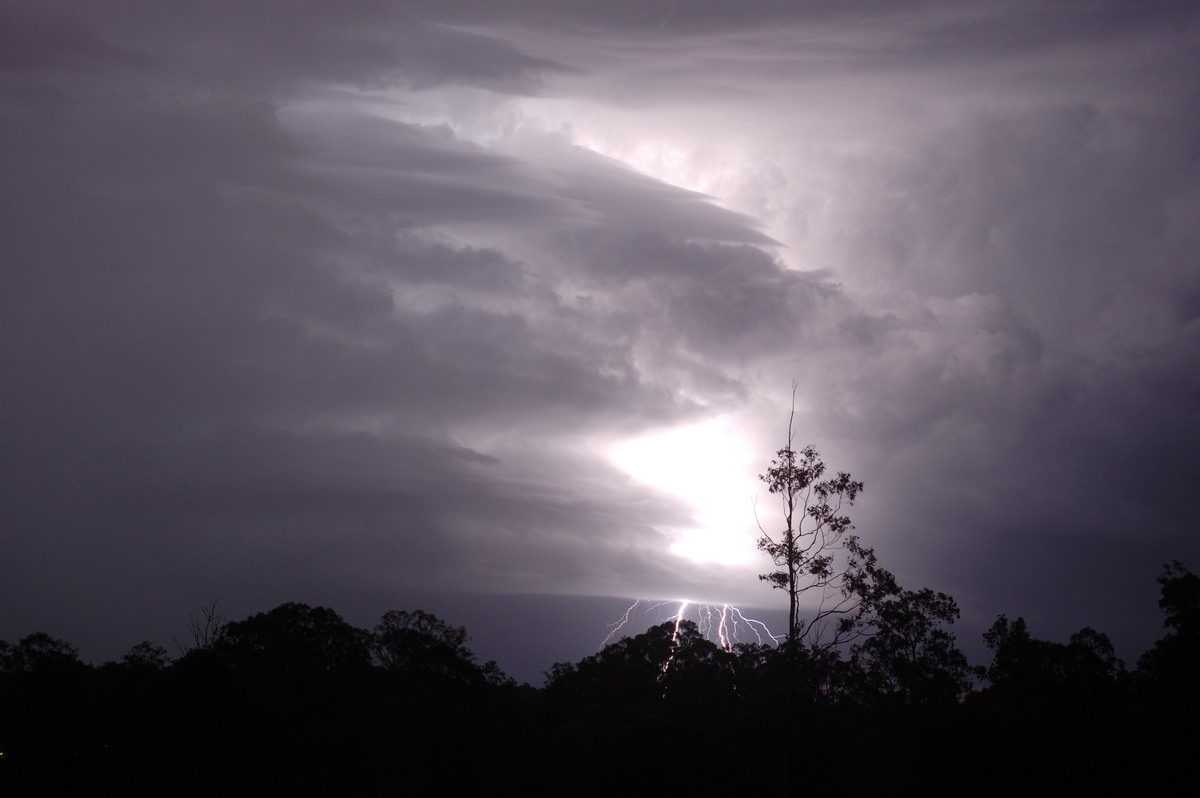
[[1180, 601], [669, 666], [814, 551], [421, 645], [206, 630], [41, 654], [910, 654], [1174, 660], [294, 638], [1026, 670], [146, 656]]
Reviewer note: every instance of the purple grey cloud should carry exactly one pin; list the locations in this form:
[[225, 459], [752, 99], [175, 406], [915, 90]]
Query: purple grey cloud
[[339, 300]]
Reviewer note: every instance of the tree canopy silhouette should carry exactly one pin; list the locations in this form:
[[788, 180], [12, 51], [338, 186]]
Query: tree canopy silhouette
[[910, 654], [420, 645], [1174, 660], [294, 638]]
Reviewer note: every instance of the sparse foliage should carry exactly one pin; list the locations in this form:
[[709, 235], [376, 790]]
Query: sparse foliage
[[206, 630], [814, 552]]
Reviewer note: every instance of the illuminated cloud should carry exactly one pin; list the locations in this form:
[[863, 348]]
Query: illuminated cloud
[[334, 299]]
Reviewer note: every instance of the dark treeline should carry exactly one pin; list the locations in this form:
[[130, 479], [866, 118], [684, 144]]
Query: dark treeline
[[297, 701]]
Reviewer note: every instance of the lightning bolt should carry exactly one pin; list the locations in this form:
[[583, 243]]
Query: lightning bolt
[[613, 628], [724, 624], [757, 627], [674, 639]]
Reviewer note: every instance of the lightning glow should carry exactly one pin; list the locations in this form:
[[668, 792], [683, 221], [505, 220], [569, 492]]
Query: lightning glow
[[709, 467]]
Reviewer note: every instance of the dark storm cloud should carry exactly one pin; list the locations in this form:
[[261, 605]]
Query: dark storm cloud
[[314, 300], [717, 303], [234, 355], [264, 47], [1010, 21], [1038, 391]]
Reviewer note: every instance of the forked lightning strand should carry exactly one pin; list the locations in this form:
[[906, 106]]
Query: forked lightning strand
[[726, 626], [674, 638]]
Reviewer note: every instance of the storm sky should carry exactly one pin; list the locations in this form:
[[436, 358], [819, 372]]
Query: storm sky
[[486, 305]]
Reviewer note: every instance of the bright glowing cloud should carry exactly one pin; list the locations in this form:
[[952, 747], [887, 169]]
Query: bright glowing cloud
[[708, 466]]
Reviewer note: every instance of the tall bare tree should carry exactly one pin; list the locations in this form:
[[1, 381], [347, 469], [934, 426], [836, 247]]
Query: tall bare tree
[[815, 553]]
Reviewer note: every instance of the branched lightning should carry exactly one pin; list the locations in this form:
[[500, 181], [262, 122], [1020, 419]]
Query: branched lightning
[[613, 628], [757, 627], [724, 624]]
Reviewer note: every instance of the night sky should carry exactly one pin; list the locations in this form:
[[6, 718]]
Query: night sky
[[485, 307]]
